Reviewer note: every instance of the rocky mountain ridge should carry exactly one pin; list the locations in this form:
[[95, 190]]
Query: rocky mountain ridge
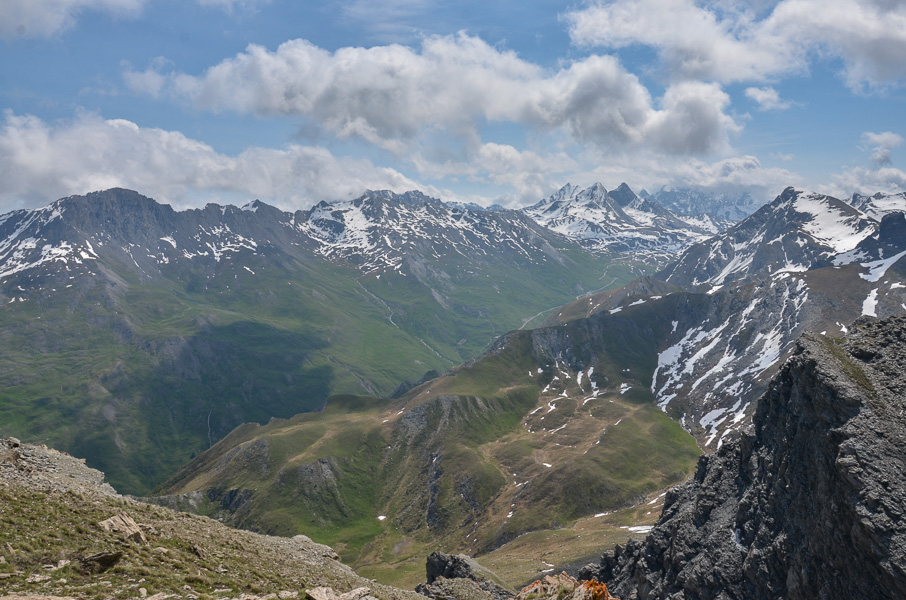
[[162, 330], [702, 354], [688, 201], [379, 231], [797, 232], [804, 263], [374, 232], [806, 503], [621, 221], [59, 542]]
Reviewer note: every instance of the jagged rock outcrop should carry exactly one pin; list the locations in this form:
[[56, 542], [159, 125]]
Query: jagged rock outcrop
[[564, 587], [458, 577], [806, 503]]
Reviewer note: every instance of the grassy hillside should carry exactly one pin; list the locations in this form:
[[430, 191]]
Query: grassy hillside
[[531, 436], [141, 374], [140, 380], [51, 510]]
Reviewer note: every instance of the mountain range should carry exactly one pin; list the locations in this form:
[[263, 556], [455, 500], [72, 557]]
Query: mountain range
[[729, 206], [178, 326], [804, 262], [802, 504], [805, 502], [621, 221], [137, 335], [562, 405], [560, 399]]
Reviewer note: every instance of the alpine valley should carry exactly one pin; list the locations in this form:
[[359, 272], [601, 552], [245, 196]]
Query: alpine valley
[[137, 336], [570, 361]]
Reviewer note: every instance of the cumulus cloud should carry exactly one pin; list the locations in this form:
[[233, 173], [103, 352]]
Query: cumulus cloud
[[40, 162], [732, 42], [694, 42], [738, 174], [865, 181], [44, 18], [390, 95], [767, 98], [733, 175], [881, 144], [692, 119], [526, 175]]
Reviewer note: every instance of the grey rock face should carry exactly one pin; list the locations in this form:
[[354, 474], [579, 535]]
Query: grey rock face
[[688, 201], [807, 503], [620, 221], [441, 569], [787, 234]]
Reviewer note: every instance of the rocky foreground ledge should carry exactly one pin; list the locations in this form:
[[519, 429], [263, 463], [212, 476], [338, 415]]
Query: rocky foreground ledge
[[65, 533], [809, 503]]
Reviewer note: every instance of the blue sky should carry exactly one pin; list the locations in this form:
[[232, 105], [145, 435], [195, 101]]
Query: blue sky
[[293, 101]]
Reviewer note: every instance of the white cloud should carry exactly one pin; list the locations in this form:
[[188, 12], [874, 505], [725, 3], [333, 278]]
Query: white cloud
[[881, 144], [865, 181], [391, 95], [40, 162], [731, 42], [149, 81], [526, 175], [767, 98], [388, 20], [232, 5], [44, 18], [694, 42], [736, 174], [732, 175], [692, 119]]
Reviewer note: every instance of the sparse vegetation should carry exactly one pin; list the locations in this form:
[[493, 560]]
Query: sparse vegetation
[[850, 367], [466, 462], [44, 534], [141, 376]]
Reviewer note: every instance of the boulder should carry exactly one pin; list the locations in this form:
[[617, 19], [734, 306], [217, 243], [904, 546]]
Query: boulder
[[564, 587], [441, 569], [100, 562], [123, 525]]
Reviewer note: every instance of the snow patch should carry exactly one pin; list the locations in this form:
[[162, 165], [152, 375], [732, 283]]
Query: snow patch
[[878, 268], [870, 304]]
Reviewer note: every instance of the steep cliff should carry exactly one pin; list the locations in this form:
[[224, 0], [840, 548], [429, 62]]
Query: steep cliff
[[806, 503]]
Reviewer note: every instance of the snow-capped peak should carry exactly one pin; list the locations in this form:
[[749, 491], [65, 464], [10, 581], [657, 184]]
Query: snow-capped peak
[[879, 204], [616, 221], [832, 222], [796, 232]]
